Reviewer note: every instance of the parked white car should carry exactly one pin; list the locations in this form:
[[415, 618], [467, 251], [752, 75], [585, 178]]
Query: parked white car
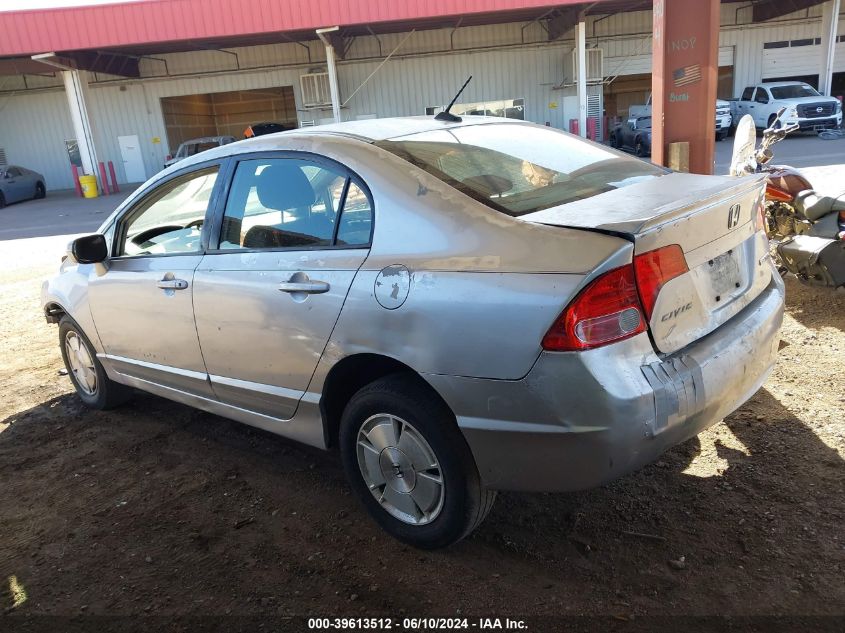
[[724, 120], [803, 103], [724, 117]]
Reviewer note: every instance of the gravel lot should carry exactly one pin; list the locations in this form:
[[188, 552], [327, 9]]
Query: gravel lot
[[159, 509]]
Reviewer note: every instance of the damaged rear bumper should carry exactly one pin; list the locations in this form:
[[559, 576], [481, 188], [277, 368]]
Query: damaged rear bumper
[[578, 420]]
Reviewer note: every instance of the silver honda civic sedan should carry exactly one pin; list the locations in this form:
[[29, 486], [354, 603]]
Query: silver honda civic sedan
[[458, 307]]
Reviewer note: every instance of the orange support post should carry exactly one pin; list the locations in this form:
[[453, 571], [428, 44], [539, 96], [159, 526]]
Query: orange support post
[[684, 80]]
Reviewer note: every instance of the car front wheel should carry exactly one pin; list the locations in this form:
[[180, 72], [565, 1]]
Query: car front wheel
[[639, 149], [409, 465], [40, 191], [86, 372]]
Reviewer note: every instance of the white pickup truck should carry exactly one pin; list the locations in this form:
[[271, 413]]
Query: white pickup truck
[[724, 117], [804, 105]]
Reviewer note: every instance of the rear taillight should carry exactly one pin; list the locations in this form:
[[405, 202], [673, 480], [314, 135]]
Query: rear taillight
[[607, 310], [654, 269]]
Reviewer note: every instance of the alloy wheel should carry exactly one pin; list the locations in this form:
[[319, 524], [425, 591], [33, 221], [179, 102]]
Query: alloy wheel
[[81, 363], [400, 469]]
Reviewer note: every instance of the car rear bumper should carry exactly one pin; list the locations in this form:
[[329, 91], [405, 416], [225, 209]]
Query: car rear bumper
[[578, 420]]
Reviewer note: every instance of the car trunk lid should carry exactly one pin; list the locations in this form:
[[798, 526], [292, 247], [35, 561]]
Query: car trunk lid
[[711, 218]]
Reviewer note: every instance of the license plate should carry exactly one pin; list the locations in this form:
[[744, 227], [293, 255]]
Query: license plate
[[724, 274]]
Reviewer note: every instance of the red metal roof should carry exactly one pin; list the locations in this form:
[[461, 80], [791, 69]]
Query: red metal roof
[[160, 21]]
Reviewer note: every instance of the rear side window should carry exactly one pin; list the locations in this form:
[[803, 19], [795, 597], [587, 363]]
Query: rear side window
[[518, 169], [293, 203], [748, 93]]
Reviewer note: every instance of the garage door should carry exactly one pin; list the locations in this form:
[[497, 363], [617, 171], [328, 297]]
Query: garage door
[[798, 58], [641, 64]]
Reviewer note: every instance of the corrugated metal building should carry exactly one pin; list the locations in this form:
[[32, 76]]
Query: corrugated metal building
[[512, 61]]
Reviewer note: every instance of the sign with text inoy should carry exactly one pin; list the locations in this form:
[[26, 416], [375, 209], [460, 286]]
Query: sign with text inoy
[[685, 74]]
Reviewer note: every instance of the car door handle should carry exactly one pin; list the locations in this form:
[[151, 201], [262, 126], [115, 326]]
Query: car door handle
[[172, 284], [307, 287]]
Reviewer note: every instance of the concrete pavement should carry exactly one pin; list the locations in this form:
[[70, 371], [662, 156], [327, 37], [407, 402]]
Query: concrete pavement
[[62, 212]]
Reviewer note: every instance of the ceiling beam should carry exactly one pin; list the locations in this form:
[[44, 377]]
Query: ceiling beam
[[563, 20], [778, 8]]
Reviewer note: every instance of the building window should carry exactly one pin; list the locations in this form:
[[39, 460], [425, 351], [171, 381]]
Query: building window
[[783, 44], [507, 108], [807, 42]]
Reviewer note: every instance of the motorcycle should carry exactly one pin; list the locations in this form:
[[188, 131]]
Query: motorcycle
[[806, 230]]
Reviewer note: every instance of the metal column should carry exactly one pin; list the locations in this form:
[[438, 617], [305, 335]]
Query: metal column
[[830, 24], [335, 93], [685, 73], [581, 56], [75, 87]]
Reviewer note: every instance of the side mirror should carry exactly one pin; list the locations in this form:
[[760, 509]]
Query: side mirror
[[90, 249]]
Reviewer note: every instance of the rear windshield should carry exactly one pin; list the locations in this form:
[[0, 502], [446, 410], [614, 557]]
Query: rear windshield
[[518, 169], [793, 92]]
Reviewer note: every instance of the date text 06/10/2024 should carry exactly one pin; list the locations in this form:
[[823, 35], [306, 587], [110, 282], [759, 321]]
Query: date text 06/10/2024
[[416, 624]]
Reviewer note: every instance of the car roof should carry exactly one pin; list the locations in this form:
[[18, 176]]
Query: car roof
[[206, 139], [778, 84], [374, 130]]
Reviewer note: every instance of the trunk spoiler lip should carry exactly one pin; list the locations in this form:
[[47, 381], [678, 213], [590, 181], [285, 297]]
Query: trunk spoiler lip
[[652, 208]]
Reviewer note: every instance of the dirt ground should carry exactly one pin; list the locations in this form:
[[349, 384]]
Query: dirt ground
[[159, 509]]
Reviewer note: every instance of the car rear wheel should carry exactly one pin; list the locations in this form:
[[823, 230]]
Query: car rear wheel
[[2, 200], [86, 372], [40, 191], [409, 465]]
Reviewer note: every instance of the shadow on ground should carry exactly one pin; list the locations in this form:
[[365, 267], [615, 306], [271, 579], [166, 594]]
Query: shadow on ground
[[159, 509]]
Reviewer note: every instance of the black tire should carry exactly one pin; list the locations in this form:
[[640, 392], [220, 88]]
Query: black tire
[[2, 200], [720, 136], [40, 191], [639, 148], [106, 393], [614, 143], [465, 502]]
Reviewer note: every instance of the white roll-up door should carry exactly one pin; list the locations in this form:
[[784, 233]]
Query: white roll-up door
[[791, 61], [641, 64]]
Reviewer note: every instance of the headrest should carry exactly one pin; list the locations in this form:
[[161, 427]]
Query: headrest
[[284, 186]]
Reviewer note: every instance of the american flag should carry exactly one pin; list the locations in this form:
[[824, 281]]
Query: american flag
[[687, 75]]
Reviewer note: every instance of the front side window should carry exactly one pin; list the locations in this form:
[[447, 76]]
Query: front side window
[[294, 203], [170, 219], [518, 169], [762, 96]]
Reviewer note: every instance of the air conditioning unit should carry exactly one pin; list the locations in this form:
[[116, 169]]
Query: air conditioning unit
[[315, 89], [2, 156], [595, 65]]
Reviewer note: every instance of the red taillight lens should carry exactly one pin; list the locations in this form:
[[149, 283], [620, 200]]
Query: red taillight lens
[[607, 310], [654, 269], [168, 157], [777, 194]]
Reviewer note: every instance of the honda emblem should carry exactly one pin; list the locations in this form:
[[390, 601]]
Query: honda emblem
[[733, 216]]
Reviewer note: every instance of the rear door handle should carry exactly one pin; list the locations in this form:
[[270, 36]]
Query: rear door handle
[[172, 284], [307, 287]]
